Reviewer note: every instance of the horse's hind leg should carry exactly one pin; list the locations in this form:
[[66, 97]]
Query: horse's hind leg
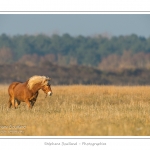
[[17, 103], [13, 102], [9, 102]]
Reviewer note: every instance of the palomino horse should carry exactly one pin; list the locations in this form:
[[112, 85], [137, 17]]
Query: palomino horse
[[28, 91]]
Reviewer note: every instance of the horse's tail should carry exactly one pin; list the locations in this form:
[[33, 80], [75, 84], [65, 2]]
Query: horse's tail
[[11, 87]]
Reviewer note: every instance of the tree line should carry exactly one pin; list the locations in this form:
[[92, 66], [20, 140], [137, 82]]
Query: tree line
[[98, 51], [74, 75]]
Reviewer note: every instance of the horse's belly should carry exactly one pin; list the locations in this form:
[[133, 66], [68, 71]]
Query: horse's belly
[[18, 98], [24, 97]]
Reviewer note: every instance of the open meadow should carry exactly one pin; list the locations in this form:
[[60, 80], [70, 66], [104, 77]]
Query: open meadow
[[80, 110]]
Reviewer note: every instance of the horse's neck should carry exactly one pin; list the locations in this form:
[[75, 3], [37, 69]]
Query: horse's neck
[[35, 88]]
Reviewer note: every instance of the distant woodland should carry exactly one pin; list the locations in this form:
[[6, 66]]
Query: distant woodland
[[76, 60]]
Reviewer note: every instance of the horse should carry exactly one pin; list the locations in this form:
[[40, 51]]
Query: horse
[[28, 91]]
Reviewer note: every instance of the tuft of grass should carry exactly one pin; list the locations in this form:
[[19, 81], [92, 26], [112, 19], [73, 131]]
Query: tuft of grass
[[80, 110]]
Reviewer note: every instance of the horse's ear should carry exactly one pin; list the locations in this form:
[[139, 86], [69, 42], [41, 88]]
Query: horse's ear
[[48, 79]]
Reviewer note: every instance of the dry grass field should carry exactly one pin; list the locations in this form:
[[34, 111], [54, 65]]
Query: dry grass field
[[80, 110]]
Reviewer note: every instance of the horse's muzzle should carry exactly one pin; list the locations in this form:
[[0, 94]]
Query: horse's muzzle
[[49, 93]]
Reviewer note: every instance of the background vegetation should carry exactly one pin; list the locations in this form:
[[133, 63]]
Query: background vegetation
[[99, 59]]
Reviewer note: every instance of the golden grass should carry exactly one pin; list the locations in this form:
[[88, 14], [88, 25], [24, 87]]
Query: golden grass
[[80, 110]]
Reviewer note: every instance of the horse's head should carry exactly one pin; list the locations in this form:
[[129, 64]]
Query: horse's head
[[47, 87]]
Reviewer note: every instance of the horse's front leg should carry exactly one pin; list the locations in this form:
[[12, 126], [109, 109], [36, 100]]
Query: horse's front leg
[[29, 104], [33, 101]]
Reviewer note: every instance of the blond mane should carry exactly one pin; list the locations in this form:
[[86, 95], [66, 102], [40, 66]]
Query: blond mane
[[37, 79]]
